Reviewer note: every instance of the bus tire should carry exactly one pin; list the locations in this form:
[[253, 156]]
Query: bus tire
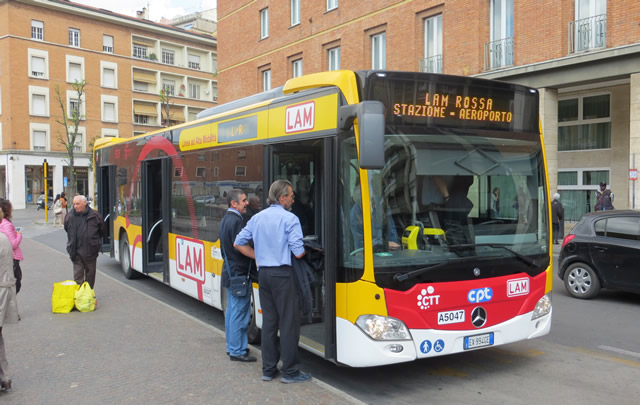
[[125, 258], [253, 332]]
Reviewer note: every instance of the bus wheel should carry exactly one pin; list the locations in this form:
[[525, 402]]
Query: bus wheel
[[254, 331], [125, 259]]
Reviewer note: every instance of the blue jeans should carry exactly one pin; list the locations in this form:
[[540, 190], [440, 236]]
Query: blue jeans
[[236, 324]]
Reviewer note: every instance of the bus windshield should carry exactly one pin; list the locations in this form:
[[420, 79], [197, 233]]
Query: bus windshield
[[453, 202]]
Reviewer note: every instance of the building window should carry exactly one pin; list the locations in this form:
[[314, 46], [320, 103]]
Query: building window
[[107, 43], [296, 68], [37, 30], [379, 51], [140, 86], [74, 37], [109, 112], [264, 23], [39, 140], [139, 51], [201, 172], [499, 52], [589, 30], [577, 189], [38, 104], [332, 4], [432, 62], [141, 119], [194, 61], [74, 108], [266, 80], [169, 87], [295, 12], [194, 90], [37, 66], [77, 146], [108, 78], [334, 58], [584, 123], [241, 171], [75, 72], [168, 56]]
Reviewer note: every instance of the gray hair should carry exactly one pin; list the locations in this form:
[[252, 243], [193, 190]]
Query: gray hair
[[556, 196], [83, 198], [279, 188], [234, 195]]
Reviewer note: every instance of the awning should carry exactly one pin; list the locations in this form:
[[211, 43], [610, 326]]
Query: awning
[[145, 109], [143, 42], [175, 114], [144, 77]]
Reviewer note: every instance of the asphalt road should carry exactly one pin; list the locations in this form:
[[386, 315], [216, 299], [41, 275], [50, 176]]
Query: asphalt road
[[591, 356]]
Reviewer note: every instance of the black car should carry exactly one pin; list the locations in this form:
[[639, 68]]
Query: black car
[[602, 250]]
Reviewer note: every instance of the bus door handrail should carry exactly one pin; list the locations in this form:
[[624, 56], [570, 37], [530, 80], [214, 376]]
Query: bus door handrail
[[152, 229]]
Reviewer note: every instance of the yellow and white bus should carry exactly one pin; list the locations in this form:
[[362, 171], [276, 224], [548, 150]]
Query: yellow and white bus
[[427, 193]]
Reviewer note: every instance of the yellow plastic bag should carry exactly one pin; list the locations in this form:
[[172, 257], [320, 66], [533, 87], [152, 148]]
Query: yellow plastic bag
[[62, 298], [85, 298]]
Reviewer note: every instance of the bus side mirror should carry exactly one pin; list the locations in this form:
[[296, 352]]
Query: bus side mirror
[[370, 116]]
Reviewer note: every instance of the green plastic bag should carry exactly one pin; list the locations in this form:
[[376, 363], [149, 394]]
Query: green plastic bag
[[62, 298], [85, 298]]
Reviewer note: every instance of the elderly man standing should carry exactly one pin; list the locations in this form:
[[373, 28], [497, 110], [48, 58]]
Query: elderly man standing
[[84, 239], [276, 234]]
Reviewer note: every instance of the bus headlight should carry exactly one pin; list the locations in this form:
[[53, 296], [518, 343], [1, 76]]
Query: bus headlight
[[383, 327], [543, 307]]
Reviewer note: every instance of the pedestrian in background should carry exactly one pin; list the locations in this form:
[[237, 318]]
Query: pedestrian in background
[[495, 203], [8, 304], [84, 240], [57, 211], [276, 234], [15, 237], [238, 313], [604, 198], [557, 216]]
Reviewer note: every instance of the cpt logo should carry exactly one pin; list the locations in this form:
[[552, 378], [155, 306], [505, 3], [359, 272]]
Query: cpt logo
[[480, 295]]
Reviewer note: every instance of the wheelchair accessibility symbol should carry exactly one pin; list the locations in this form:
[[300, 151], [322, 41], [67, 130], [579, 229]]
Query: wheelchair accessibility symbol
[[438, 346]]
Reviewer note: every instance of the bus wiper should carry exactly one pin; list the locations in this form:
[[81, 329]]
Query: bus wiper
[[411, 274], [529, 261]]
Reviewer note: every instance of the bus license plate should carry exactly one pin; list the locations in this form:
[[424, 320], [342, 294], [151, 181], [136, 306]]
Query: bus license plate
[[471, 342]]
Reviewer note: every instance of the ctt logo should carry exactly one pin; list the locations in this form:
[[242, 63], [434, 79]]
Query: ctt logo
[[480, 295], [426, 298]]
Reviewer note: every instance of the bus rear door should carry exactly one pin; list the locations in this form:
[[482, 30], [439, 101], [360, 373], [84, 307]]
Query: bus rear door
[[155, 182]]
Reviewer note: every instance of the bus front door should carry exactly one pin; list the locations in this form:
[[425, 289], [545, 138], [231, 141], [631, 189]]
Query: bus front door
[[107, 205], [155, 217], [310, 167]]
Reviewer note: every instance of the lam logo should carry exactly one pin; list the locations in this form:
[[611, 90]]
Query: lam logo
[[190, 259], [518, 286], [300, 117]]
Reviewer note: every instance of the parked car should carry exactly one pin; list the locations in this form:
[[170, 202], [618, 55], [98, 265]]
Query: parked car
[[602, 251]]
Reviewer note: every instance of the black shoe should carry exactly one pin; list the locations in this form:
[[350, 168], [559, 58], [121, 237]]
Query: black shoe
[[301, 377], [245, 359], [6, 385]]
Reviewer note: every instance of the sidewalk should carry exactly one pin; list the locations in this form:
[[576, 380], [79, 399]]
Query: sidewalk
[[133, 349]]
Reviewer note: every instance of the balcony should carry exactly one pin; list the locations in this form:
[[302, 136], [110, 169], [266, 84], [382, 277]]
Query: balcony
[[432, 64], [498, 54], [588, 33]]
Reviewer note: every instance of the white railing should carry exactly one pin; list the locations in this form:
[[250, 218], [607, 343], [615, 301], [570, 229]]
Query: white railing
[[432, 64], [588, 33], [498, 54]]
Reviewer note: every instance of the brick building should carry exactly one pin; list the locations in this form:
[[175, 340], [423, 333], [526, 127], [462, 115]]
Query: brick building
[[583, 56], [126, 61]]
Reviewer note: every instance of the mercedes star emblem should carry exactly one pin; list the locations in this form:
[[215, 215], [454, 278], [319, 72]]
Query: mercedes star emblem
[[478, 317]]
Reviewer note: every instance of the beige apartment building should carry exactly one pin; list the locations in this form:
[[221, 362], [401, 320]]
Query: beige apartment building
[[49, 44], [583, 56]]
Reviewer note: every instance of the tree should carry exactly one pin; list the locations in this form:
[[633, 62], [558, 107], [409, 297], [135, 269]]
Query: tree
[[71, 121], [165, 106]]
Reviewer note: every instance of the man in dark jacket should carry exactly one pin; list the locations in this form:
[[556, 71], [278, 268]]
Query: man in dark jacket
[[238, 313], [557, 216], [84, 239]]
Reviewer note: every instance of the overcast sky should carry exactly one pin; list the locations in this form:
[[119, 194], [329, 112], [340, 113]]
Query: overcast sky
[[157, 8]]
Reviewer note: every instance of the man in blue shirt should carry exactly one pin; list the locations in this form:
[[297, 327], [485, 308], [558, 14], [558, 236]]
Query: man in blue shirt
[[276, 234], [238, 313]]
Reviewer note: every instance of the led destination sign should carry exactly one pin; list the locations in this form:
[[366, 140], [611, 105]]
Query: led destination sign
[[440, 101], [465, 108]]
